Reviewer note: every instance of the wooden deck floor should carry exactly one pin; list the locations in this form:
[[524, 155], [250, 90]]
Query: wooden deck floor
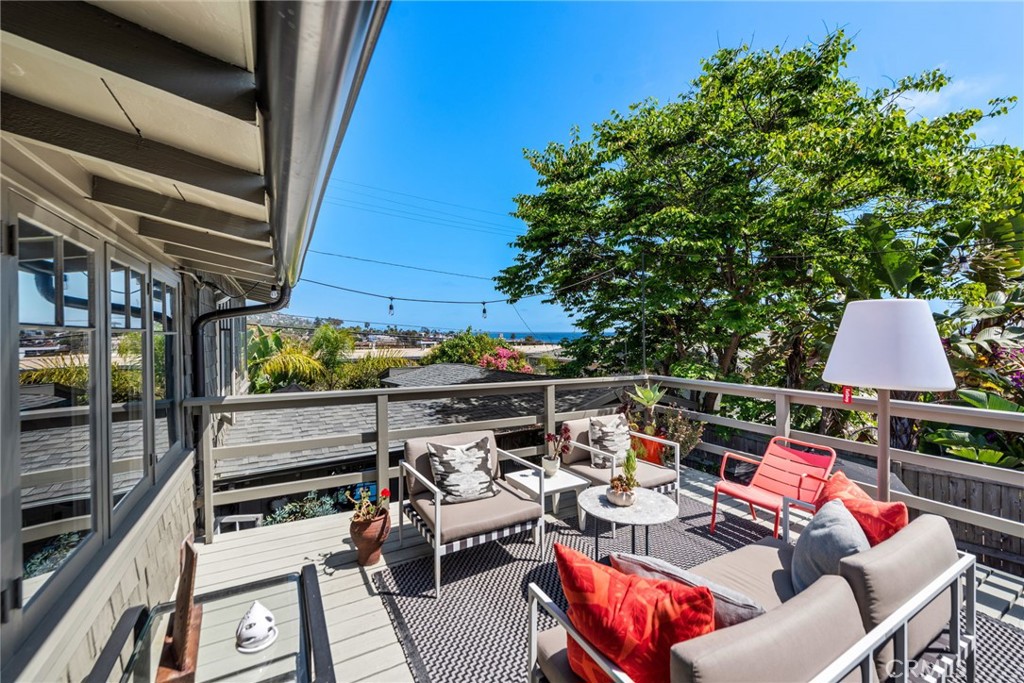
[[363, 643]]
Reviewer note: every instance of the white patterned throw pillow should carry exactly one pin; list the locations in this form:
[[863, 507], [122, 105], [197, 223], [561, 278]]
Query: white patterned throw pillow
[[463, 473], [610, 434]]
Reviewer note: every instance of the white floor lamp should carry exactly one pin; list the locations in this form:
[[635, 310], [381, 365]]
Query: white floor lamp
[[886, 345]]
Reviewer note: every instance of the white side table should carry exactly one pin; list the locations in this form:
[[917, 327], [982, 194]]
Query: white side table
[[528, 481]]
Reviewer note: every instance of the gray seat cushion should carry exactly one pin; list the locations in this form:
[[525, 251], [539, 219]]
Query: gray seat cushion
[[831, 535], [469, 519], [553, 656], [760, 570], [648, 474], [884, 577], [731, 606], [792, 642]]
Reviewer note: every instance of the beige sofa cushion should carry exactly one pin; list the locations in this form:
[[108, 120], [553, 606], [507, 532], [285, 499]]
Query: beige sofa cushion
[[416, 454], [886, 576], [648, 474], [579, 431], [466, 520], [792, 642], [553, 656], [760, 570]]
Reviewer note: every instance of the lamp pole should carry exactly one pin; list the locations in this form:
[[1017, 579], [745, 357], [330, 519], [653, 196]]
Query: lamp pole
[[883, 445]]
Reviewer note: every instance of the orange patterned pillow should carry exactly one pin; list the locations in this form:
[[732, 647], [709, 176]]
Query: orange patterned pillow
[[631, 620], [879, 520]]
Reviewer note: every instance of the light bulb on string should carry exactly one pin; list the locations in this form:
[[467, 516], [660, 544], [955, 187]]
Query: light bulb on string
[[391, 306], [484, 304], [810, 270], [962, 261]]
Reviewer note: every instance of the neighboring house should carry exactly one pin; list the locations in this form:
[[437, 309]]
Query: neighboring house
[[162, 166], [293, 424]]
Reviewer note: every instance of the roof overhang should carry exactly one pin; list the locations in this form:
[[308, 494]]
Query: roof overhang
[[207, 128]]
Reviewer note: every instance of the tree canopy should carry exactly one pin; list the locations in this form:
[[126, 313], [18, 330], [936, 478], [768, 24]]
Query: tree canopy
[[734, 222]]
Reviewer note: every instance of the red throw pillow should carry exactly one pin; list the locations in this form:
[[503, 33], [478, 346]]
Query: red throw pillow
[[631, 620], [878, 520]]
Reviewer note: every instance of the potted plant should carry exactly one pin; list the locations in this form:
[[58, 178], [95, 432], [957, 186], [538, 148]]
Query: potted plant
[[622, 490], [558, 446], [371, 524], [670, 424]]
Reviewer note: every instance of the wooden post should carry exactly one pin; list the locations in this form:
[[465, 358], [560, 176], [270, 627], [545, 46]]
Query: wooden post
[[206, 456], [383, 451], [782, 417], [549, 409]]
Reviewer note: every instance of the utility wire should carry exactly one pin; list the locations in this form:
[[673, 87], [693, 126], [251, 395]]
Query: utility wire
[[454, 302], [398, 265], [419, 207], [421, 220], [413, 196], [457, 220]]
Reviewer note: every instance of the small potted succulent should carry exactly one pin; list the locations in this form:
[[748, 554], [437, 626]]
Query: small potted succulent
[[371, 525], [623, 487], [558, 447]]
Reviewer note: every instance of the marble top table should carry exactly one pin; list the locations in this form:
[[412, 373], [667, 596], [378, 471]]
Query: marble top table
[[649, 509]]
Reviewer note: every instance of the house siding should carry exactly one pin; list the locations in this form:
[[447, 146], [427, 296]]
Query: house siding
[[142, 569]]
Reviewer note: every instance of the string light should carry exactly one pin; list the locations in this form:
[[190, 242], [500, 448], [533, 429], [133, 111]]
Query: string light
[[391, 306], [484, 304]]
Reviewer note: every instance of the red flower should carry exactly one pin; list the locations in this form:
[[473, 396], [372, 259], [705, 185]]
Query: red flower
[[385, 493]]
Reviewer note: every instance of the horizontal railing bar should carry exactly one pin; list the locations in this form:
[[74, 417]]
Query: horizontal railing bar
[[722, 450], [932, 412], [286, 488], [222, 404], [63, 475], [579, 414], [999, 475], [247, 450], [991, 522], [743, 425], [454, 427], [38, 532]]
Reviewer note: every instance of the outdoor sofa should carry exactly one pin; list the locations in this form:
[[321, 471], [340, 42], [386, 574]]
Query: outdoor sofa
[[457, 526], [903, 592]]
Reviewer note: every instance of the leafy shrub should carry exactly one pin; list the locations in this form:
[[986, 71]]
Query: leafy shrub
[[309, 507], [52, 555], [365, 372], [465, 347]]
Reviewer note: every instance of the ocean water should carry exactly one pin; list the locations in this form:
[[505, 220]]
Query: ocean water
[[545, 337]]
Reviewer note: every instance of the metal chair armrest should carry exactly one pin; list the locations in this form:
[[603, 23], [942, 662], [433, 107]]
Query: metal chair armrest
[[403, 465], [730, 454], [537, 597], [663, 442], [598, 451], [529, 465], [787, 502]]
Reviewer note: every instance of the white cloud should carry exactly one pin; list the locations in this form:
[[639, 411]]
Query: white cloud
[[960, 93]]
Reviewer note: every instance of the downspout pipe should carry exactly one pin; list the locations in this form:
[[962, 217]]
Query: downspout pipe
[[198, 359]]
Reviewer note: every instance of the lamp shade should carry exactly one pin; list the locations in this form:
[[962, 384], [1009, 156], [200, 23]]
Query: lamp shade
[[889, 344]]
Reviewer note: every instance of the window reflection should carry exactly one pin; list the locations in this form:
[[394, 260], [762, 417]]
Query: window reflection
[[165, 386], [54, 401]]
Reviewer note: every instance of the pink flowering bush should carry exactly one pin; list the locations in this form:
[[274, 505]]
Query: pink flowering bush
[[505, 359]]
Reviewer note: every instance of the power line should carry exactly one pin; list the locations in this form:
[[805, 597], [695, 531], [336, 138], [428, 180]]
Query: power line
[[342, 203], [421, 208], [413, 196], [454, 302], [457, 220], [398, 265]]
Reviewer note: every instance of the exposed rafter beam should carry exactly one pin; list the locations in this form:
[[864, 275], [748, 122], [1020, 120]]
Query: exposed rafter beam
[[227, 270], [93, 35], [79, 136], [239, 264], [158, 206], [175, 234]]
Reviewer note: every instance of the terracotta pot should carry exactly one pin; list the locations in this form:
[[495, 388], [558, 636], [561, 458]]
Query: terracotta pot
[[368, 537], [649, 450], [621, 498]]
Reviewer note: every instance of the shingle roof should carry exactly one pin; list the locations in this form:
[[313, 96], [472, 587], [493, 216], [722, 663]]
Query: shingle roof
[[447, 374]]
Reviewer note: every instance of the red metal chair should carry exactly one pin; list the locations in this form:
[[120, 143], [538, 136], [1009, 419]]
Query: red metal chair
[[791, 468]]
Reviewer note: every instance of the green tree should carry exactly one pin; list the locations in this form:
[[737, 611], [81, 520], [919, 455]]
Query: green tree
[[275, 362], [331, 346], [465, 347], [728, 223]]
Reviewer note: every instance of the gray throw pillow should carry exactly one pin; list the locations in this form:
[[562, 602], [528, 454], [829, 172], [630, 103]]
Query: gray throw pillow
[[731, 606], [463, 473], [831, 535], [611, 435]]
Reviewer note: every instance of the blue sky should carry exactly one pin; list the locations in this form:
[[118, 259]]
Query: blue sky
[[433, 156]]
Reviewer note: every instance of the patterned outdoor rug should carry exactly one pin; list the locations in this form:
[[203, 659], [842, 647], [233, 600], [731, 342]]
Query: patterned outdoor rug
[[478, 631]]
